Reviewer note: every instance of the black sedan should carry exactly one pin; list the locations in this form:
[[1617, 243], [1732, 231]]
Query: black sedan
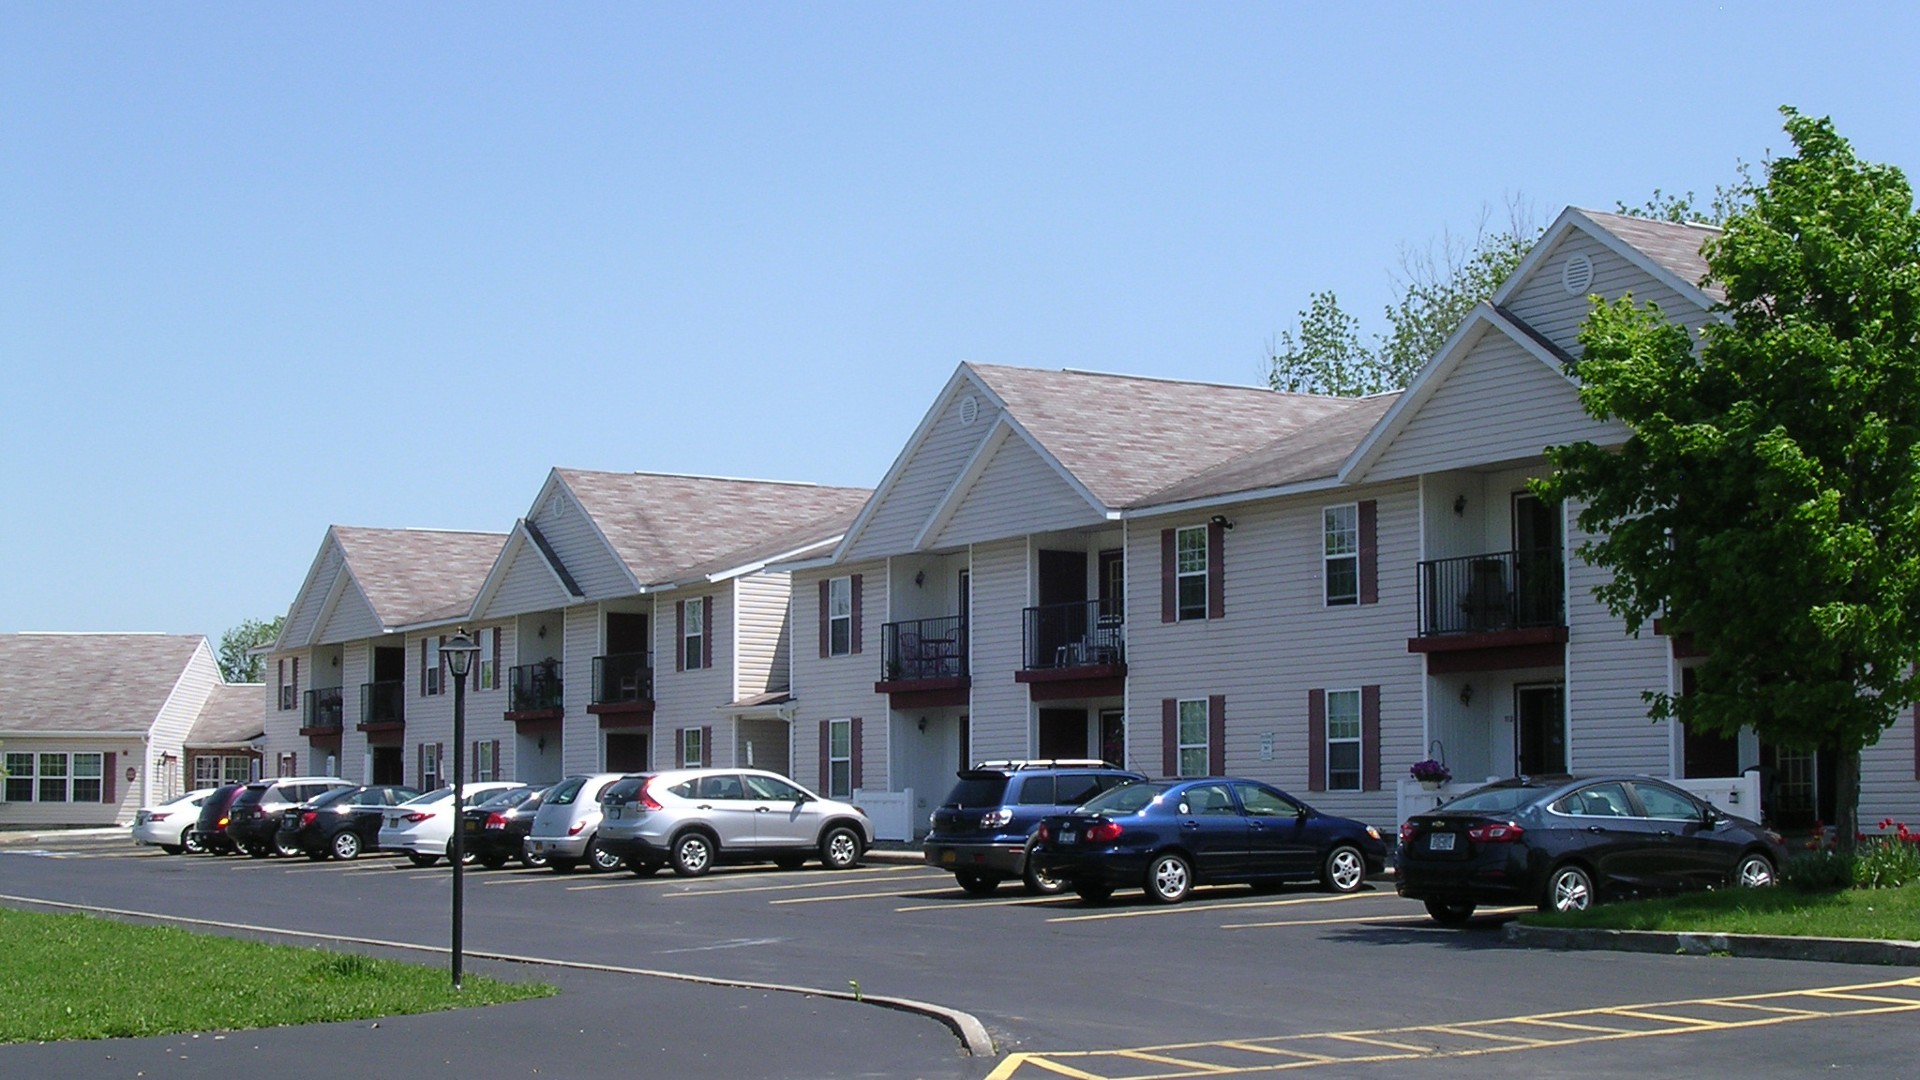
[[496, 830], [1566, 842], [1166, 836], [342, 823]]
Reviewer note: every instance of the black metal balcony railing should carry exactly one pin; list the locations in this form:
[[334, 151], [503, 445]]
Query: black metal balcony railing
[[1501, 590], [533, 687], [620, 677], [323, 709], [383, 702], [1074, 635], [924, 649]]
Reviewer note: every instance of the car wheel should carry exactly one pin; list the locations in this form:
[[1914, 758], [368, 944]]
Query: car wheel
[[840, 849], [466, 855], [1754, 872], [1169, 879], [171, 849], [1568, 889], [285, 847], [529, 858], [1345, 869], [1450, 912], [645, 869], [418, 859], [599, 859], [692, 854], [345, 845], [493, 861], [789, 862], [1093, 892], [191, 843], [977, 884], [562, 866], [1038, 881]]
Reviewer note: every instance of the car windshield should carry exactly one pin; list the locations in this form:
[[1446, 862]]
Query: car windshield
[[1493, 800], [439, 794], [1130, 799], [978, 789], [566, 791]]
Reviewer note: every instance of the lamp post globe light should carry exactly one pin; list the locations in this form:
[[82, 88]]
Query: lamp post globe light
[[458, 654]]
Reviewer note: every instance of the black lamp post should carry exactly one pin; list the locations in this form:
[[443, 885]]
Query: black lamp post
[[459, 657]]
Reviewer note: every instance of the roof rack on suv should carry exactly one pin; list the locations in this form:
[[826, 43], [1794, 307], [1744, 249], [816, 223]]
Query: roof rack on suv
[[1017, 764]]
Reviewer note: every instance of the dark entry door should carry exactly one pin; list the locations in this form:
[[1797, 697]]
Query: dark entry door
[[1707, 754], [1063, 733], [1537, 582], [1540, 729], [1061, 623], [387, 765]]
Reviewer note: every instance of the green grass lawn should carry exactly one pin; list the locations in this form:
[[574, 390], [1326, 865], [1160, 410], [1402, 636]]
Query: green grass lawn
[[79, 977], [1848, 913]]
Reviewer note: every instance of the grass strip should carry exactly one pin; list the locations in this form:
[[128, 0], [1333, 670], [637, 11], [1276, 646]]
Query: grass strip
[[82, 977], [1888, 914]]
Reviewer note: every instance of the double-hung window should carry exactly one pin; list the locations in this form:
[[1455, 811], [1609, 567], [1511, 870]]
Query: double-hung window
[[1343, 740], [1191, 736], [1340, 530], [692, 747], [55, 777], [693, 637], [430, 666], [1190, 574], [839, 616], [486, 673], [289, 669], [483, 764], [19, 777], [839, 778]]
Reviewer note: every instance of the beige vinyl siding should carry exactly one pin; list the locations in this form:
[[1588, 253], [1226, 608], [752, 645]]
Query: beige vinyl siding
[[579, 644], [1001, 713], [925, 478], [1016, 494], [527, 585], [169, 731], [1499, 403], [429, 719], [836, 687], [1887, 786], [689, 699], [1544, 303], [306, 606], [95, 814], [281, 728], [580, 547], [356, 667], [762, 637], [1606, 673], [350, 618], [1279, 640]]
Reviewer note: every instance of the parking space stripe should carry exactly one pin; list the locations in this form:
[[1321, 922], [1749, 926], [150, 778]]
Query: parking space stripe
[[1278, 1051], [983, 903], [1204, 908]]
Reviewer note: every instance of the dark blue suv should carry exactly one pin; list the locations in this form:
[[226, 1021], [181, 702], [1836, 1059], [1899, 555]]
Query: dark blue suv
[[984, 830]]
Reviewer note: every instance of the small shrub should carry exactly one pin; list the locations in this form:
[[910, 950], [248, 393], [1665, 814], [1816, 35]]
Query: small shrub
[[346, 966], [1889, 860], [1818, 871]]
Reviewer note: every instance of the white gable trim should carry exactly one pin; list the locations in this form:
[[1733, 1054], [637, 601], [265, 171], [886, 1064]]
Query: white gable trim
[[1574, 218], [1478, 323], [920, 434], [328, 605], [280, 643], [1045, 455], [553, 480], [520, 538], [949, 503]]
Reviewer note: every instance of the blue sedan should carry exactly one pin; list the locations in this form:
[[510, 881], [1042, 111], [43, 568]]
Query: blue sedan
[[1167, 836]]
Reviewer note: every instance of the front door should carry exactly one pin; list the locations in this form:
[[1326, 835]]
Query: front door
[[1063, 733], [388, 765], [1061, 621], [1540, 729], [1113, 736], [783, 815], [1537, 541], [1278, 842]]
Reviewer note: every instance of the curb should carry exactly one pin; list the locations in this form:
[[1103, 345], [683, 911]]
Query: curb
[[1823, 949]]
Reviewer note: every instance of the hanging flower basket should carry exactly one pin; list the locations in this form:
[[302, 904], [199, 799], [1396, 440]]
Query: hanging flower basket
[[1431, 773]]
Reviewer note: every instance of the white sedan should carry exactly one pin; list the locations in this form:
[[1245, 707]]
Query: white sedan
[[422, 828], [169, 826]]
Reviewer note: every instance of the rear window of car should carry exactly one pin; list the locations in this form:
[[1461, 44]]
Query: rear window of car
[[1076, 788], [1127, 799], [249, 796], [984, 789], [339, 795], [622, 791], [1497, 800], [566, 791]]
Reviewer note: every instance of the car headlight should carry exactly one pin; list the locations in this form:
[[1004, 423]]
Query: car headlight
[[1373, 832]]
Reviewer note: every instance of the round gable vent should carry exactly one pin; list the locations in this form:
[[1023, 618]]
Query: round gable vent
[[969, 410], [1577, 275]]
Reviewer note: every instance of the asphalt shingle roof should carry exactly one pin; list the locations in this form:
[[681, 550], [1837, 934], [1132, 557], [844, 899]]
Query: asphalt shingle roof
[[418, 575], [89, 682], [235, 713], [1674, 246]]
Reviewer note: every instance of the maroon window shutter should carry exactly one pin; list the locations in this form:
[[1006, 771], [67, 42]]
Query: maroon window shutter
[[498, 675], [1216, 570], [421, 763], [1316, 740], [826, 745], [496, 759], [296, 682], [423, 667], [706, 746], [854, 741], [706, 631], [1369, 552], [281, 680], [679, 747], [1217, 734], [1370, 738], [853, 587], [679, 640], [293, 760], [473, 760], [825, 603], [1169, 737], [1169, 610], [107, 778]]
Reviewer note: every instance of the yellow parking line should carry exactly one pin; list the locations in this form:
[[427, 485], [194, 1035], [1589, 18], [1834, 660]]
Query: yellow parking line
[[846, 896], [1190, 909], [1396, 920], [1274, 1050], [817, 882], [1163, 1059], [984, 902]]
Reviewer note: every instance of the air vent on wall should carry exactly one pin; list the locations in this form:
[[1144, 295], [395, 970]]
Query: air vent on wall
[[969, 410], [1577, 276]]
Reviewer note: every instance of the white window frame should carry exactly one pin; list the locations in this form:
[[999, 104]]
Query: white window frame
[[288, 699], [430, 760], [483, 763], [1344, 740], [1184, 571], [839, 778], [21, 770], [691, 747], [206, 770], [840, 616], [1185, 746], [432, 666], [237, 768], [63, 767], [1339, 543], [485, 677], [693, 636]]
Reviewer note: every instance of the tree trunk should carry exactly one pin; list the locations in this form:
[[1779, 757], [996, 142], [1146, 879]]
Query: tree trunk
[[1846, 798]]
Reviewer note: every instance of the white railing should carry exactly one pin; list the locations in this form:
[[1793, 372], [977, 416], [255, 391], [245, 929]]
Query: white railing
[[890, 811]]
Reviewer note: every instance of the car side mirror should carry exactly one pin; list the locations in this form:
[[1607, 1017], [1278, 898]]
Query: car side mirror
[[1713, 817]]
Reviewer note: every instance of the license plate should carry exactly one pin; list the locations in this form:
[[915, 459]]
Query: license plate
[[393, 822], [536, 846], [614, 813], [946, 857], [472, 826], [1440, 841], [1069, 838]]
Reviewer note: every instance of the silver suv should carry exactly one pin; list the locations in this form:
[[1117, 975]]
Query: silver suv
[[566, 829], [693, 818]]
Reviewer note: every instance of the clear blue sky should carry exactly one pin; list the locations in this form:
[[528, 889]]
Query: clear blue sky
[[264, 268]]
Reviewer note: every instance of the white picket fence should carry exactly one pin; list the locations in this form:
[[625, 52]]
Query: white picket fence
[[890, 811]]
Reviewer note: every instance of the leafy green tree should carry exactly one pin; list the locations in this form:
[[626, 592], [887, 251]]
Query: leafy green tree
[[1767, 502], [236, 666]]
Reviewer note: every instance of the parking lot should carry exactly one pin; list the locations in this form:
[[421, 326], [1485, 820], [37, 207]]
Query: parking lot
[[1229, 983]]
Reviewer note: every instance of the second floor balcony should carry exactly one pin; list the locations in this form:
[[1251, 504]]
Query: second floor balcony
[[1492, 592], [924, 650], [623, 678], [383, 703], [322, 711], [535, 688], [1086, 634]]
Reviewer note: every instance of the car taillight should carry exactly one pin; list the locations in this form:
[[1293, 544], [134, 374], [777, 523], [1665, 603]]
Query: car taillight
[[1103, 832], [308, 817], [646, 799], [496, 821], [1406, 832], [574, 829], [993, 819], [1041, 834], [418, 816], [156, 817], [1498, 832]]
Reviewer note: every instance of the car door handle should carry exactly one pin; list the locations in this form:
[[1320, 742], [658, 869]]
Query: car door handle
[[704, 806], [1668, 833], [1595, 829], [761, 810], [1189, 824]]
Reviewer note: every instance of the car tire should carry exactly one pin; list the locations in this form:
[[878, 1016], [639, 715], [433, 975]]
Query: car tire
[[420, 860], [840, 848], [493, 861], [692, 854], [790, 862], [1038, 881], [285, 847], [645, 869], [345, 845], [1754, 871], [1169, 879], [1345, 869], [562, 866], [599, 859], [1093, 892], [1450, 912], [191, 843], [530, 859], [977, 884], [467, 856], [171, 849], [1569, 888]]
